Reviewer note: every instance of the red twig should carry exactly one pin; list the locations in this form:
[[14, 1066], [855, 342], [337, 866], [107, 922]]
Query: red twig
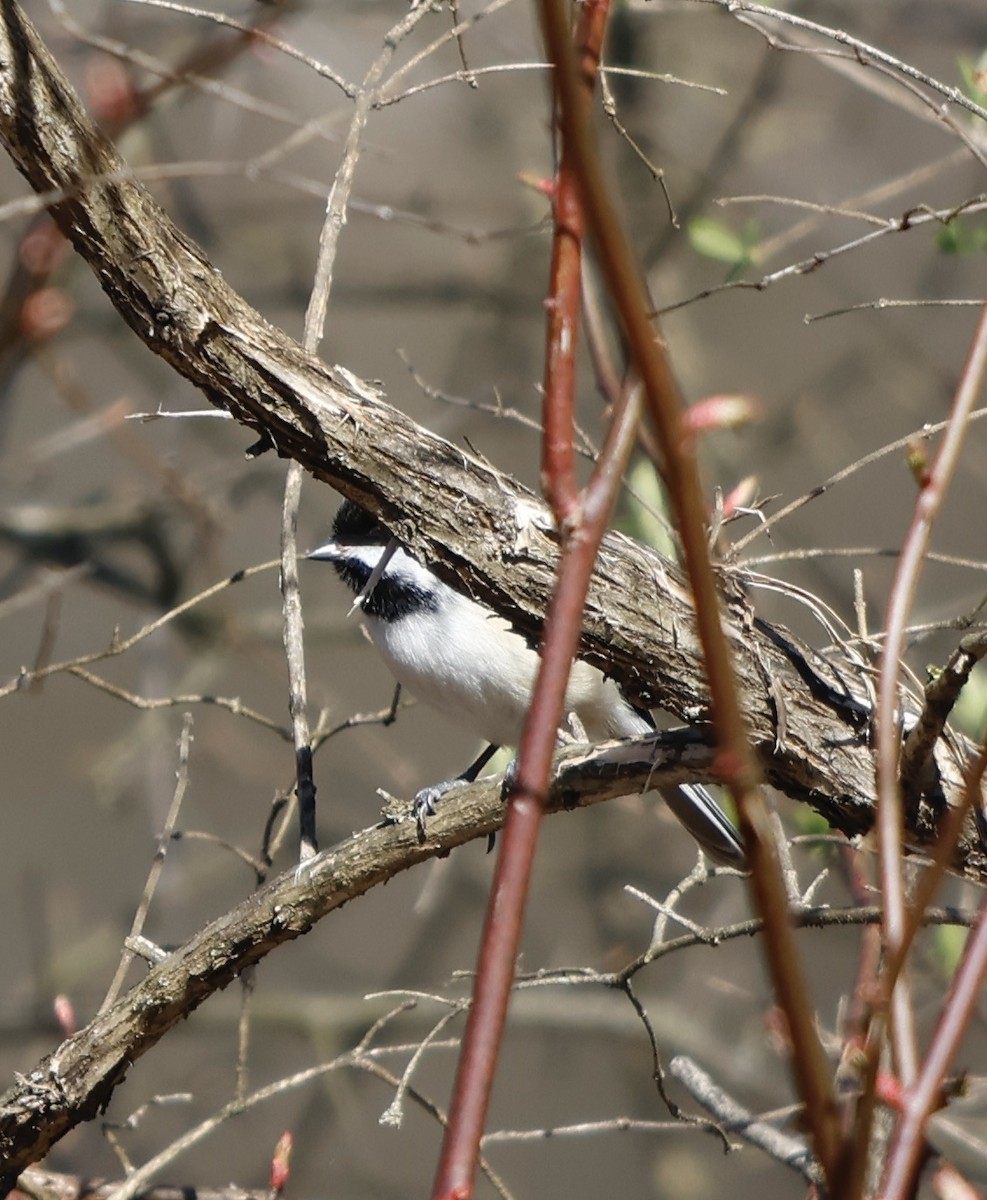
[[925, 1095], [931, 496], [949, 835], [563, 304], [562, 326], [898, 922], [856, 1018], [582, 521], [505, 910], [736, 762]]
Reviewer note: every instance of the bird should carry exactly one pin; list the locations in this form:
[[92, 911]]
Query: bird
[[461, 658]]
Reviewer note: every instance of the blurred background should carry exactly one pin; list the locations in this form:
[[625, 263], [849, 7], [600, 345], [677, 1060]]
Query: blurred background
[[107, 522]]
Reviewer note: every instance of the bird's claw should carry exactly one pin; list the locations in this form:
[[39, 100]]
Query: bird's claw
[[423, 805], [510, 777]]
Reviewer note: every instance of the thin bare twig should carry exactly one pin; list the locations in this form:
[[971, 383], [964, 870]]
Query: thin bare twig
[[882, 303], [118, 647], [386, 95], [809, 918], [927, 431], [191, 72], [953, 95], [912, 218], [942, 166], [500, 1137], [157, 866], [362, 1057], [152, 703], [294, 651], [342, 183], [475, 73], [315, 318], [896, 77], [261, 35], [789, 1151]]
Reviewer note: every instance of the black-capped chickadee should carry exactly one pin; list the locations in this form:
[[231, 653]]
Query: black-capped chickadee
[[469, 663]]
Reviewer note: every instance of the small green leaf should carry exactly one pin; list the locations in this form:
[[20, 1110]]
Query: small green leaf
[[644, 514], [809, 822], [970, 711], [714, 239], [950, 941], [961, 237], [974, 75]]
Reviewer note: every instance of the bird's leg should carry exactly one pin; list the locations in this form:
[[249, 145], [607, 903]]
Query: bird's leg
[[424, 803]]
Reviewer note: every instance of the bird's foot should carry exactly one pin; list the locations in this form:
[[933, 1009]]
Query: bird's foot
[[423, 805]]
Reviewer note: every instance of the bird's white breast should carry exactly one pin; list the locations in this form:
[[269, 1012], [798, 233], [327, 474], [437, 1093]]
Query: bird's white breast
[[470, 664]]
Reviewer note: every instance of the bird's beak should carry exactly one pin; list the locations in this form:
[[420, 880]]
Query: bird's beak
[[328, 552]]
